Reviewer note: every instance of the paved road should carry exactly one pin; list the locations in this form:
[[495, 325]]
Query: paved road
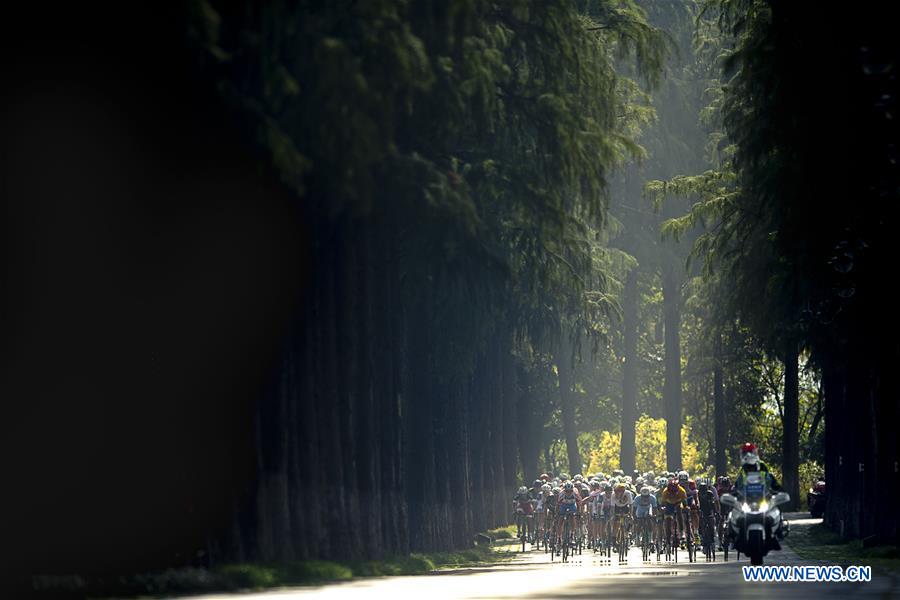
[[533, 577]]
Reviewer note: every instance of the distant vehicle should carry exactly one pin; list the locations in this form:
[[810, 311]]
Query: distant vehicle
[[816, 499]]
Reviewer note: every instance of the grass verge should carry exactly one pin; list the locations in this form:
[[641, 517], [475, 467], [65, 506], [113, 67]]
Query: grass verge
[[819, 542], [237, 577]]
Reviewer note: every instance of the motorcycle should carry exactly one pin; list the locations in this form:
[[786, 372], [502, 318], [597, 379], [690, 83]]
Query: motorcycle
[[755, 521], [816, 499]]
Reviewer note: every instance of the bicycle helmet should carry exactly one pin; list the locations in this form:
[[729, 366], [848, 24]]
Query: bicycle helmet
[[537, 483], [692, 484], [683, 476], [595, 485], [645, 491], [568, 486], [620, 487], [523, 490], [578, 477], [607, 487], [661, 482], [564, 476], [673, 485]]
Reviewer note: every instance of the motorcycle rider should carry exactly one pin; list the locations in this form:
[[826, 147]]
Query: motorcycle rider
[[751, 463]]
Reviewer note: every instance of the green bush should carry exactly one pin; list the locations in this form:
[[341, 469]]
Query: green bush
[[310, 571], [242, 576]]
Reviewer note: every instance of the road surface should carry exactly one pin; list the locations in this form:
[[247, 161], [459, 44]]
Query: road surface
[[532, 576]]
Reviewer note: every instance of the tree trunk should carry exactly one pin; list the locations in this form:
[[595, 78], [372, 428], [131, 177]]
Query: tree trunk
[[567, 403], [721, 430], [527, 432], [791, 438], [629, 372], [672, 386]]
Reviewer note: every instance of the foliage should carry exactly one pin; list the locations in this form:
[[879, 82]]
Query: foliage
[[650, 440]]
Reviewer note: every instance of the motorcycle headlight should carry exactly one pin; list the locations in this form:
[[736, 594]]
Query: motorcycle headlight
[[745, 507], [764, 506]]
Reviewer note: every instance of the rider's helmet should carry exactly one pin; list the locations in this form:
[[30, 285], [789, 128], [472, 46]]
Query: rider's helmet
[[618, 472], [703, 485], [628, 480], [682, 477], [544, 477], [523, 490], [607, 487], [649, 475], [645, 491], [692, 484], [620, 487], [661, 482], [595, 485], [563, 476], [724, 482], [537, 483], [639, 482], [545, 488], [568, 486], [749, 454], [555, 491]]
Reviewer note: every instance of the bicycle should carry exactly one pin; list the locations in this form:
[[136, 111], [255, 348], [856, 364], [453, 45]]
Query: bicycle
[[707, 535], [688, 533], [644, 536], [522, 526], [621, 536], [671, 537], [567, 537]]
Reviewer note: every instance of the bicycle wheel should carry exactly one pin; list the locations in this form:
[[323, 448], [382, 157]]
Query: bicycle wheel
[[565, 541]]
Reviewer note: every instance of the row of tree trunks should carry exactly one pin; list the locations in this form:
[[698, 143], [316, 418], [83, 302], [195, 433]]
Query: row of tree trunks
[[371, 442], [861, 462]]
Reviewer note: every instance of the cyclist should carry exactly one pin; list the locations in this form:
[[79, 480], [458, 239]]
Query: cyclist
[[645, 507], [672, 500], [621, 501], [708, 506], [523, 507], [595, 502], [723, 486], [692, 494], [567, 503], [540, 509]]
